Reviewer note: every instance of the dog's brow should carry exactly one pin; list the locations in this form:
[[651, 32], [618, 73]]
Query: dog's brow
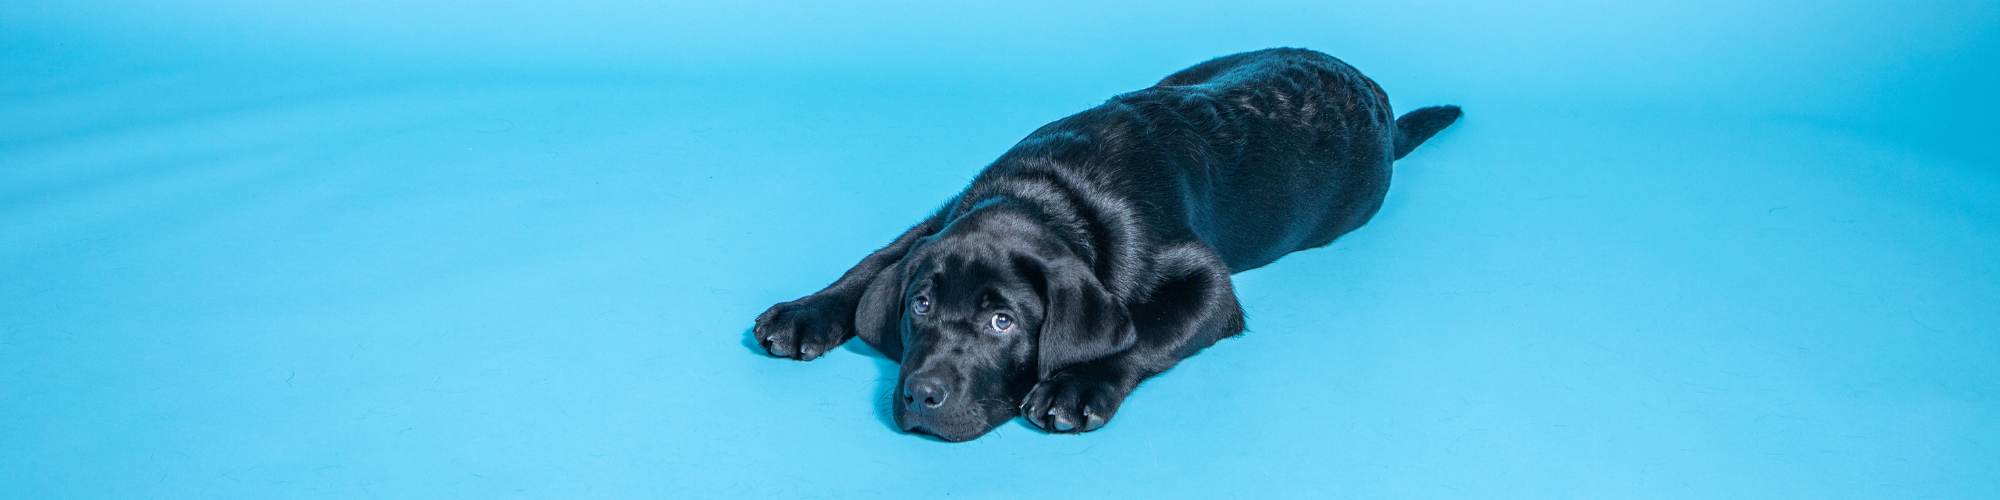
[[992, 297]]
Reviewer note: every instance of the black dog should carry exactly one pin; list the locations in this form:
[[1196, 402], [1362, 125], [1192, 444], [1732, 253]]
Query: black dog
[[1097, 252]]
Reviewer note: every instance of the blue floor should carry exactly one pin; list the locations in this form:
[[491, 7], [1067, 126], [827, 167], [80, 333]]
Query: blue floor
[[438, 250]]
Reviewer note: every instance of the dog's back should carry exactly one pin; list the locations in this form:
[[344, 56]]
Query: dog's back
[[1258, 154], [1302, 145]]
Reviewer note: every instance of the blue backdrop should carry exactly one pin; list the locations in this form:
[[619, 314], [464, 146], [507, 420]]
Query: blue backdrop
[[431, 249]]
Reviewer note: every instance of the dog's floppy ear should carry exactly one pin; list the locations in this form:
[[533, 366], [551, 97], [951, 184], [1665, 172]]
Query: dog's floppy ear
[[1084, 322], [878, 317]]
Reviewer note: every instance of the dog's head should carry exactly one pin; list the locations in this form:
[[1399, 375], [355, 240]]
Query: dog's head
[[979, 313]]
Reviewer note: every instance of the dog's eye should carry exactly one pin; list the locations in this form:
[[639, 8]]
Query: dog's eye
[[1002, 322], [921, 306]]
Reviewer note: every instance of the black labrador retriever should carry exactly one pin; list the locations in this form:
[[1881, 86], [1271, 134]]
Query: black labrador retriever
[[1097, 252]]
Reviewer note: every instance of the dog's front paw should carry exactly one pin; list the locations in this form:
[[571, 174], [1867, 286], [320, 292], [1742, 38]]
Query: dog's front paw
[[1071, 403], [806, 328]]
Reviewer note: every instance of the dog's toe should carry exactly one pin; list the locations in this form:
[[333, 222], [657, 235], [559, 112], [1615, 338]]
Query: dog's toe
[[1062, 423], [1070, 404], [1092, 421], [802, 329]]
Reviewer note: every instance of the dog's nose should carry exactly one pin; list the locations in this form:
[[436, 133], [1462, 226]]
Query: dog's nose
[[924, 393]]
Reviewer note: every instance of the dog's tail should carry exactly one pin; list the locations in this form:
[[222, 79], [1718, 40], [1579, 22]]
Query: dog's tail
[[1417, 126]]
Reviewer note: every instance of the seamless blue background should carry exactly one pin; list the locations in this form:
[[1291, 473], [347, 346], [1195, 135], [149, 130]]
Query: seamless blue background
[[454, 249]]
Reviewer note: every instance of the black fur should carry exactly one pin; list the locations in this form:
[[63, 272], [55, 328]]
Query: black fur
[[1108, 239]]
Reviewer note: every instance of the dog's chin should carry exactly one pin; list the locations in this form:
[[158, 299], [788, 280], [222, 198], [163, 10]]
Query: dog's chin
[[959, 428], [948, 434]]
